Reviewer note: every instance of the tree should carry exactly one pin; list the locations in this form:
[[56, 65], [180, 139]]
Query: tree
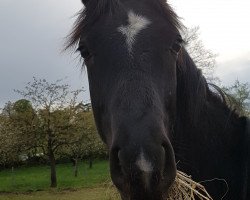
[[206, 61], [8, 143], [88, 144], [25, 121], [202, 57], [54, 104], [18, 121], [239, 97], [93, 145]]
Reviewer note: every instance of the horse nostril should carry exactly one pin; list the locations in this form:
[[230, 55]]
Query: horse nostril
[[115, 161], [169, 168], [117, 174], [163, 149], [115, 157], [119, 156]]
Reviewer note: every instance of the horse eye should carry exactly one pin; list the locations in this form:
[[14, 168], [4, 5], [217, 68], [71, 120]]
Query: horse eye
[[84, 52], [176, 47]]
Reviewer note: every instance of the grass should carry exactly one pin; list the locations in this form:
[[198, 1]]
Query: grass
[[32, 183], [81, 194], [27, 179]]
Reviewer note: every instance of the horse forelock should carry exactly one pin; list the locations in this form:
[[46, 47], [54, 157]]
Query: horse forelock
[[95, 9], [87, 16]]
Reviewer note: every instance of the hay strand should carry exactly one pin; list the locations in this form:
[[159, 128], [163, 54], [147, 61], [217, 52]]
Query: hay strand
[[184, 188]]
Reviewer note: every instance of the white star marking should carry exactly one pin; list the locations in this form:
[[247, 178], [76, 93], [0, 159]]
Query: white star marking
[[136, 24]]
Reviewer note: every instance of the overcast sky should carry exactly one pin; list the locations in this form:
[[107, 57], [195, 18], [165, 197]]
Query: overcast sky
[[224, 27], [32, 34]]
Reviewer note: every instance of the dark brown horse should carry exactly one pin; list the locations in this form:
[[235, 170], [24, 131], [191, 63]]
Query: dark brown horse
[[153, 107]]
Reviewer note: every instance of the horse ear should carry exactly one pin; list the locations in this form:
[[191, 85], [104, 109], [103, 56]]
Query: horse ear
[[84, 2]]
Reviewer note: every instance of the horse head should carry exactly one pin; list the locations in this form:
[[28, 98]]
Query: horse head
[[130, 49]]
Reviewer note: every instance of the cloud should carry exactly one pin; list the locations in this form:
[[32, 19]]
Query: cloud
[[238, 68], [31, 37]]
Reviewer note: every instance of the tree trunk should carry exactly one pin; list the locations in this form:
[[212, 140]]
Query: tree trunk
[[53, 179], [76, 167], [90, 163], [52, 160], [73, 161]]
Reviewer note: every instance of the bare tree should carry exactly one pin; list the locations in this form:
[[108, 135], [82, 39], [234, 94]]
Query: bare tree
[[204, 58], [239, 97], [55, 105]]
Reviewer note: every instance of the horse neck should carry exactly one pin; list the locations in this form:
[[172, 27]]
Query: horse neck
[[248, 157], [212, 127], [202, 112], [210, 140]]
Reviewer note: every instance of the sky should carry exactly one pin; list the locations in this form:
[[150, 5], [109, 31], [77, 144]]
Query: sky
[[32, 34], [225, 30]]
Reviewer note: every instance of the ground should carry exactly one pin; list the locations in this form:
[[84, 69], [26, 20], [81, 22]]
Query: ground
[[32, 183], [99, 193]]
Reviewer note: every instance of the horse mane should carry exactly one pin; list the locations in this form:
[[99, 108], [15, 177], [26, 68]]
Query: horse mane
[[248, 127], [95, 9], [193, 87], [166, 10]]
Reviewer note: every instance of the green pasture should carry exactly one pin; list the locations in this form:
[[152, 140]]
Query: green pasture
[[29, 179], [97, 193]]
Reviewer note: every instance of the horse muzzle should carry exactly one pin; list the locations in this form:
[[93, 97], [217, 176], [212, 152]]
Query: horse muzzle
[[144, 173]]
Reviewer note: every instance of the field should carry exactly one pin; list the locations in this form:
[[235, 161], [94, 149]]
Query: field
[[30, 183], [98, 193]]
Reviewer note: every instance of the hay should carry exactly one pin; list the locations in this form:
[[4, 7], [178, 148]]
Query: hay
[[184, 188]]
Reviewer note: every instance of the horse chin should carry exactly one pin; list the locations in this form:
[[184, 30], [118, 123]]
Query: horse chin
[[159, 192], [136, 184], [159, 196]]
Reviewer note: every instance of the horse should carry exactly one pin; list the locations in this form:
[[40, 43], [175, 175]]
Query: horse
[[153, 108]]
